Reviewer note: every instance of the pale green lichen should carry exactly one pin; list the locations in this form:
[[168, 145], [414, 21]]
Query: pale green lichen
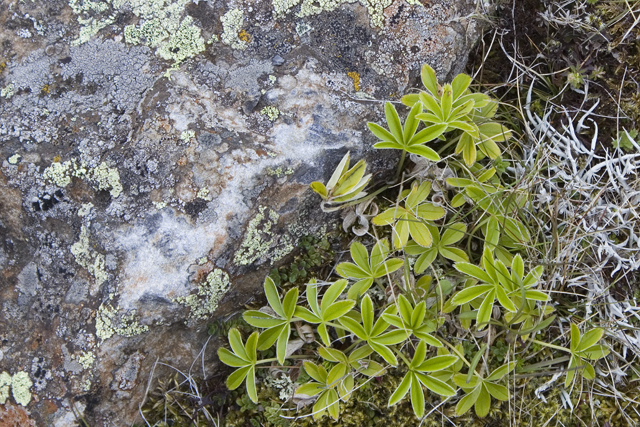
[[203, 194], [259, 240], [231, 25], [8, 91], [86, 359], [271, 112], [160, 205], [205, 302], [187, 135], [20, 384], [203, 260], [85, 209], [272, 78], [315, 7], [92, 260], [110, 322], [185, 43], [5, 384], [13, 160], [279, 172], [103, 177]]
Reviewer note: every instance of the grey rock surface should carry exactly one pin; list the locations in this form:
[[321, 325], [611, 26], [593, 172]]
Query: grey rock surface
[[155, 159]]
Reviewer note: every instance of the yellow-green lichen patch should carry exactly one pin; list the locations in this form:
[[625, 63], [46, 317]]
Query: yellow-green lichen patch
[[86, 359], [231, 25], [13, 160], [271, 112], [187, 135], [110, 322], [85, 209], [205, 302], [259, 240], [20, 384], [203, 194], [279, 172], [315, 7], [184, 43], [92, 260], [103, 177], [5, 384]]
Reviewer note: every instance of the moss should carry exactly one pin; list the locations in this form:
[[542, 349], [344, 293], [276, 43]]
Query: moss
[[231, 25], [271, 112], [110, 321], [205, 302], [92, 260]]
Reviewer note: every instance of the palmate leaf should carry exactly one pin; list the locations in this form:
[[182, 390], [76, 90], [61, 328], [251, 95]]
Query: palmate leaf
[[243, 357]]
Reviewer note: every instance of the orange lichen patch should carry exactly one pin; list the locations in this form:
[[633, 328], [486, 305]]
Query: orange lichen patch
[[57, 159], [244, 36], [356, 80], [15, 416]]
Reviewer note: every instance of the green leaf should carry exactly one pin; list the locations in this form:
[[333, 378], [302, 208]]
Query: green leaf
[[420, 233], [423, 335], [467, 402], [589, 339], [309, 389], [437, 363], [390, 338], [324, 334], [235, 341], [332, 293], [435, 385], [400, 234], [410, 99], [517, 266], [272, 296], [401, 391], [537, 295], [385, 352], [446, 101], [405, 308], [335, 374], [411, 123], [235, 379], [340, 170], [354, 327], [379, 253], [305, 314], [231, 359], [350, 179], [468, 152], [500, 372], [468, 128], [460, 84], [366, 310], [595, 352], [251, 385], [500, 392], [338, 309], [473, 271], [260, 319], [484, 312], [490, 149], [469, 294], [359, 288], [332, 404], [417, 397], [316, 372], [319, 188], [575, 337], [381, 132], [387, 217], [483, 404], [268, 337], [283, 340], [429, 79], [454, 254], [360, 255], [459, 182], [289, 303], [423, 151], [458, 200], [494, 131], [504, 300], [427, 134], [350, 270], [425, 260], [430, 212], [453, 234], [418, 194], [571, 371], [588, 372], [393, 121], [388, 267]]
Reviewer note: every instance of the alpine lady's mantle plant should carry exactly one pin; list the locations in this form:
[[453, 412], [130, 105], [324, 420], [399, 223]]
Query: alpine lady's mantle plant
[[467, 232]]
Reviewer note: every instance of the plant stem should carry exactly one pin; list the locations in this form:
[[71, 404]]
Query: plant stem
[[557, 347], [400, 165]]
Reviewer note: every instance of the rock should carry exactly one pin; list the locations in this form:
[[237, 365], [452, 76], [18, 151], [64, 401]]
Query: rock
[[153, 170]]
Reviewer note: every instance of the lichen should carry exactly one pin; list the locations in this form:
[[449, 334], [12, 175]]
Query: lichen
[[5, 384], [110, 321], [92, 260], [279, 172], [103, 177], [356, 80], [203, 194], [259, 240], [85, 209], [205, 302], [7, 91], [315, 7], [231, 25], [187, 135], [20, 384], [185, 43], [271, 112], [86, 359], [13, 160]]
